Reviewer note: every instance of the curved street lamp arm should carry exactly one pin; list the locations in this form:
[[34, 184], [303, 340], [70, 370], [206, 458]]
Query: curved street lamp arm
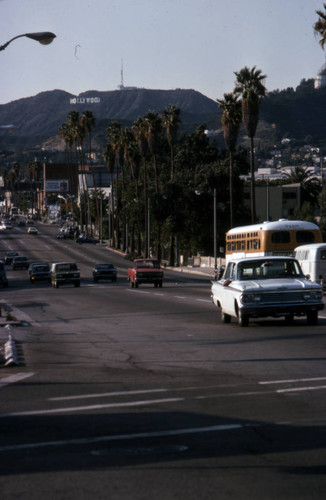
[[44, 37]]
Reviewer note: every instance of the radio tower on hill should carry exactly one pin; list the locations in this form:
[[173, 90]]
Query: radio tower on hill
[[121, 86]]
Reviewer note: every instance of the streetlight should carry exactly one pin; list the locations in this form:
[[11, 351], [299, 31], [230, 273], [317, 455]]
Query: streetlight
[[43, 37]]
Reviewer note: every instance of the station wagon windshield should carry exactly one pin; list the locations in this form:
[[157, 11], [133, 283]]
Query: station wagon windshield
[[267, 269]]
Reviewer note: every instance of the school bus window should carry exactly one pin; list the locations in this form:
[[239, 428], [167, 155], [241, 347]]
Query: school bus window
[[305, 237], [281, 237]]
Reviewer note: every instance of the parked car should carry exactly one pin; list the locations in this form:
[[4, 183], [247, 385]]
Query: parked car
[[3, 276], [86, 239], [39, 271], [21, 223], [266, 286], [32, 230], [63, 273], [9, 257], [104, 272], [20, 262], [145, 271]]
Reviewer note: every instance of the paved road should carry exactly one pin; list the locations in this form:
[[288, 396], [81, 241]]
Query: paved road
[[142, 394]]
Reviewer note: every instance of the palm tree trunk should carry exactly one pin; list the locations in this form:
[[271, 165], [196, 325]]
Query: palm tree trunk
[[252, 182]]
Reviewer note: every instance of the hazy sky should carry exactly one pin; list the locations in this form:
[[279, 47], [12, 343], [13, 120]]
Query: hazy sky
[[164, 44]]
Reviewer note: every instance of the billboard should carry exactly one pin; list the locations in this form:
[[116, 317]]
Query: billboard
[[57, 185]]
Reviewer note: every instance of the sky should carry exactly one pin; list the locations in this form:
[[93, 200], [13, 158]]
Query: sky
[[162, 44]]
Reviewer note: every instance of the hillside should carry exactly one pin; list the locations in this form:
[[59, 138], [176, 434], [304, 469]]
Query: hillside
[[40, 117], [294, 113]]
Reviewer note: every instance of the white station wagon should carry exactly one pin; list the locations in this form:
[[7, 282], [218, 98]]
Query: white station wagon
[[266, 286]]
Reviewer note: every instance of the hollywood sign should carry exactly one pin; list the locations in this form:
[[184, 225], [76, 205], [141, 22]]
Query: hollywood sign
[[85, 100]]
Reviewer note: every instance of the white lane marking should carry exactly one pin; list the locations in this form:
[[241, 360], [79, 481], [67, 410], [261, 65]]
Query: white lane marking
[[178, 297], [15, 378], [204, 300], [289, 381], [302, 389], [92, 407], [107, 394], [125, 437]]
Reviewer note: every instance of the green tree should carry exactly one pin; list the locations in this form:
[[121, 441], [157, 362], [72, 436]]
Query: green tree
[[249, 84], [231, 121]]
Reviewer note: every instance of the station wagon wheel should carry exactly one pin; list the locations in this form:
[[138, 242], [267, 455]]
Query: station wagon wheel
[[243, 319], [226, 318], [312, 318]]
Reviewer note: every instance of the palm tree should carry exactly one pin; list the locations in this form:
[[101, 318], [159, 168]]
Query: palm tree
[[249, 85], [171, 122], [320, 27], [153, 124], [87, 122], [114, 134], [309, 185], [109, 158], [139, 130], [231, 120]]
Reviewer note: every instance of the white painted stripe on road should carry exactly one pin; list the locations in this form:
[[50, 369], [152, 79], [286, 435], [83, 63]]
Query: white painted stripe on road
[[91, 407], [15, 378], [204, 300], [302, 389], [293, 380], [125, 437], [178, 297], [107, 394]]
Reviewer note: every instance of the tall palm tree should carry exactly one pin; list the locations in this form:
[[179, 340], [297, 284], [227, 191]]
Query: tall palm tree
[[171, 122], [231, 120], [114, 134], [153, 124], [109, 158], [320, 27], [250, 85], [87, 122], [139, 130]]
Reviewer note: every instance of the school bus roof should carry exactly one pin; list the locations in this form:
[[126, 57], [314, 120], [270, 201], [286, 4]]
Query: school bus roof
[[281, 224]]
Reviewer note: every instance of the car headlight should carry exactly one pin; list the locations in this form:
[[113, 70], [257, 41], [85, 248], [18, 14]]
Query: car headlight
[[250, 298]]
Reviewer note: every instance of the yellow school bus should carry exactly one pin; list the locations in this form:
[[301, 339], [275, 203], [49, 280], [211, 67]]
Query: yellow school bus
[[270, 238]]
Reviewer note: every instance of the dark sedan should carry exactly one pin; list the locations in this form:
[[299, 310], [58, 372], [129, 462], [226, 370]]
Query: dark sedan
[[20, 263], [104, 272], [39, 271], [9, 257], [86, 239]]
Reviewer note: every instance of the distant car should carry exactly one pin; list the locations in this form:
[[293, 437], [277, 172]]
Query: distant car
[[5, 225], [20, 262], [86, 239], [29, 222], [60, 235], [3, 276], [63, 273], [39, 271], [32, 230], [104, 272], [259, 287], [21, 223], [9, 257]]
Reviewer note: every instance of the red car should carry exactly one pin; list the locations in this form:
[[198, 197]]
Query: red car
[[145, 271]]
